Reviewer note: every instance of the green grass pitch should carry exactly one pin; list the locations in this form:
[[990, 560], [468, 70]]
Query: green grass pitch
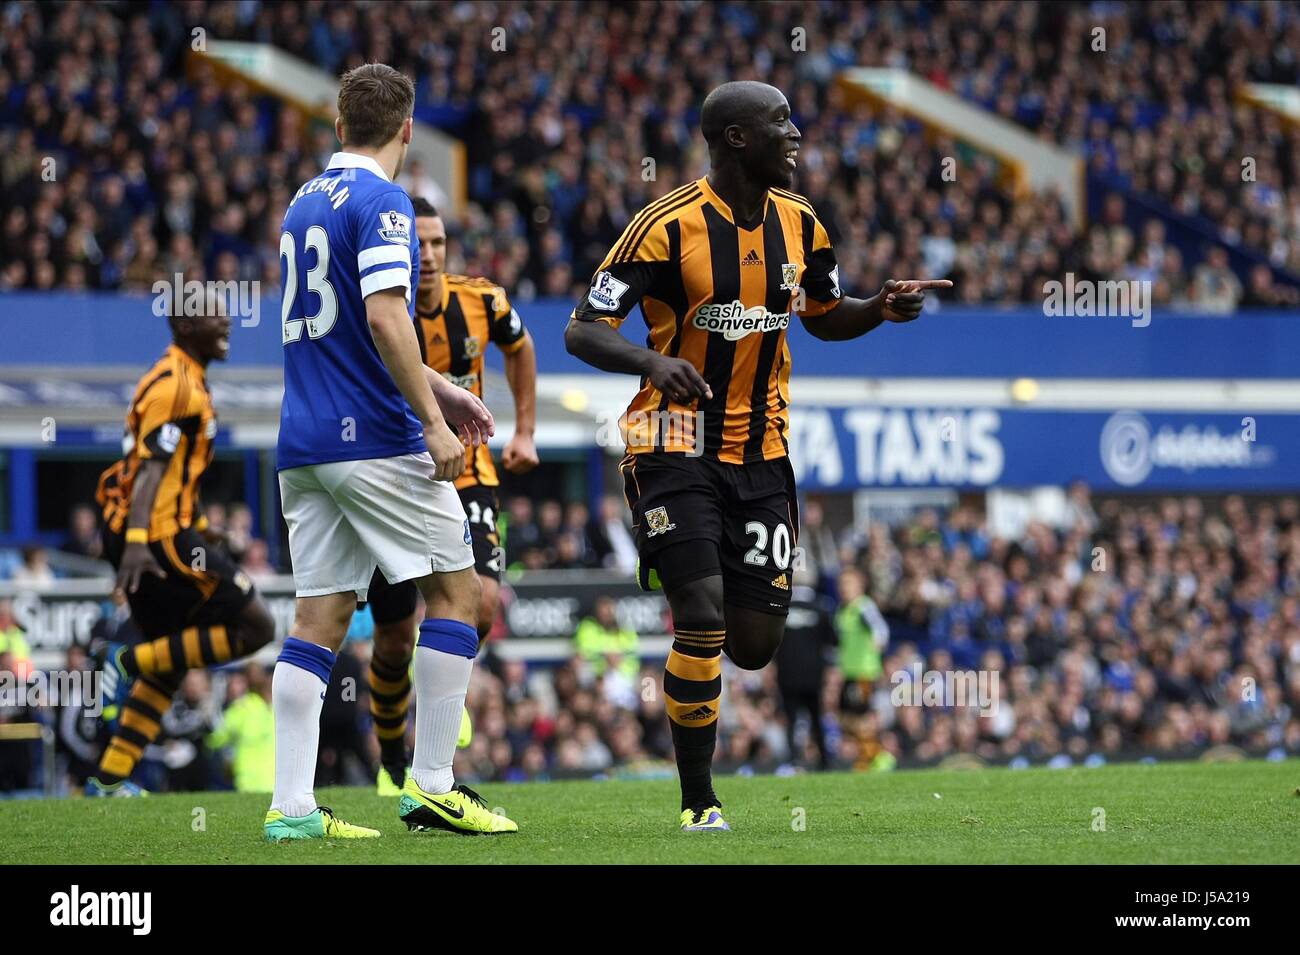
[[1247, 812]]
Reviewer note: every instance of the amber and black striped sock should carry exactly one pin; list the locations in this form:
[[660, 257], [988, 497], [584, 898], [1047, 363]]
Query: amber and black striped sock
[[138, 726], [390, 698], [693, 694], [178, 652]]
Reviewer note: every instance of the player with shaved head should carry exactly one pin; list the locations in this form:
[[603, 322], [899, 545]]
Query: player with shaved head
[[719, 266]]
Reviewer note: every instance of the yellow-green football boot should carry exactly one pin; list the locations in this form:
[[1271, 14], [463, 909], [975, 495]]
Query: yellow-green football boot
[[461, 811], [386, 784], [390, 779], [321, 823], [708, 819]]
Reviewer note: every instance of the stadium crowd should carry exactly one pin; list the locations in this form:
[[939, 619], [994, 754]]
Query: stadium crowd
[[1167, 627], [117, 169]]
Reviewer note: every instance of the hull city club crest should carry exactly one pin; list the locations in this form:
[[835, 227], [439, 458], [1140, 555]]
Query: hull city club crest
[[657, 522]]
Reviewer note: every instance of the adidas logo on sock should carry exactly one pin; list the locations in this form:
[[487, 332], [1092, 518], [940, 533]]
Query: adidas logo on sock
[[699, 713], [782, 582], [751, 258]]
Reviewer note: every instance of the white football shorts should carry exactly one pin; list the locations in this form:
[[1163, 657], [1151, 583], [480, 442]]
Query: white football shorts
[[347, 517]]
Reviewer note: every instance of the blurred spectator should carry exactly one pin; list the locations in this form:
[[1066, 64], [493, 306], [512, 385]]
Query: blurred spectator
[[247, 730], [817, 544], [862, 633], [567, 552], [83, 532], [601, 642], [215, 512], [611, 538], [16, 755], [1214, 286], [255, 562], [239, 531], [186, 728], [522, 533], [1079, 508], [77, 725], [13, 644], [550, 525], [35, 569], [1263, 292], [577, 523], [801, 664]]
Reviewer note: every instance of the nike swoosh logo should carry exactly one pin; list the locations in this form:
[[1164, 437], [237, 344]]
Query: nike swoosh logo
[[449, 810]]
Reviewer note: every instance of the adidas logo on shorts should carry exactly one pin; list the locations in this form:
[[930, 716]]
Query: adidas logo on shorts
[[782, 582]]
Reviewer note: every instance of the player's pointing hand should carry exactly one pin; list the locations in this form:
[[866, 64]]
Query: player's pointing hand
[[902, 300]]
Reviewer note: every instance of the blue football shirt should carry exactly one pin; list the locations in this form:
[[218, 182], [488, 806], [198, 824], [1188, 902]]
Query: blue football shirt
[[348, 233]]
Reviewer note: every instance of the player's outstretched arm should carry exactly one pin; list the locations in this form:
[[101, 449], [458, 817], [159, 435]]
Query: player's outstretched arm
[[137, 559], [520, 453], [601, 346], [897, 301], [394, 337]]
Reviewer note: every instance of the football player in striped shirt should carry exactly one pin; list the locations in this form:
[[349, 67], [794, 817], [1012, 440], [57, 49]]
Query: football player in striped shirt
[[192, 606], [719, 267]]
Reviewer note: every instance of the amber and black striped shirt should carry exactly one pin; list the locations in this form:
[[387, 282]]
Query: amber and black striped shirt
[[453, 342], [171, 419], [719, 294]]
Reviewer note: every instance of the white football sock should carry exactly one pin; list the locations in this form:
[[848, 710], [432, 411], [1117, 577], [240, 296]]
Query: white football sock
[[296, 700], [440, 683]]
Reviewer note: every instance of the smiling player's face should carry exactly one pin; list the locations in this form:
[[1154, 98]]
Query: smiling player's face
[[208, 336], [773, 143], [433, 248]]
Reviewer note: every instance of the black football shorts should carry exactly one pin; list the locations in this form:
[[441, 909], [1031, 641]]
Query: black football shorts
[[745, 514], [203, 587]]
